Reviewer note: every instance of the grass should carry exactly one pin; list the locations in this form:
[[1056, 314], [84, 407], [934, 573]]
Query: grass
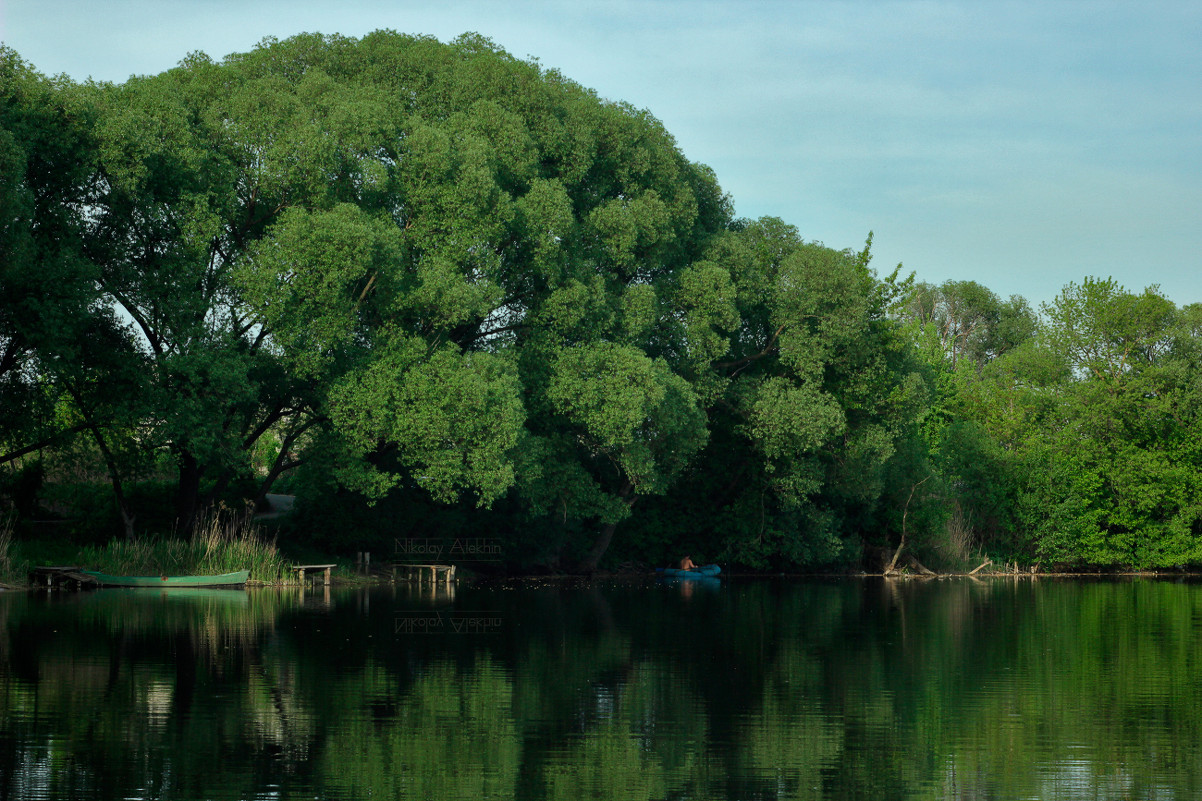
[[222, 542]]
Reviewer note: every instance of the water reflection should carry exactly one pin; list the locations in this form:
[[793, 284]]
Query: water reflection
[[428, 594], [764, 690]]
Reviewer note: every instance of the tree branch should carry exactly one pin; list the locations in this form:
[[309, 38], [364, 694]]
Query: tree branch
[[37, 446], [11, 351], [769, 348], [133, 311], [905, 513], [282, 464]]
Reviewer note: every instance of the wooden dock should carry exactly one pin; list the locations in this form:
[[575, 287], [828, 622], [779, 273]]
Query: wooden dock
[[434, 574], [302, 569], [52, 575]]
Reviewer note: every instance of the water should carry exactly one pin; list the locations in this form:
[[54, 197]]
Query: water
[[839, 689]]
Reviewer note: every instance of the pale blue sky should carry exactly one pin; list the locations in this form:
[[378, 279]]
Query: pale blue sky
[[1019, 144]]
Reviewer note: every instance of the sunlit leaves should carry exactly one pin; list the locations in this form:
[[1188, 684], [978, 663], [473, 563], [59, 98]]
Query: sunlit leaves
[[314, 277], [632, 409], [1106, 331], [1091, 423], [451, 417], [544, 217], [789, 419], [706, 296]]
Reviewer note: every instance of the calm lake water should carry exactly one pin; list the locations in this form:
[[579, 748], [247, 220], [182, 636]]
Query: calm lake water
[[744, 689]]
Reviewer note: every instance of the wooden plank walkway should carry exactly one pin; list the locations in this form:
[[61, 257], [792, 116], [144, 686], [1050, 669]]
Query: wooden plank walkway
[[302, 569], [435, 574], [51, 574]]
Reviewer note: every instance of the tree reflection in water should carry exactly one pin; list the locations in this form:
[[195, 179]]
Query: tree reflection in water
[[818, 689]]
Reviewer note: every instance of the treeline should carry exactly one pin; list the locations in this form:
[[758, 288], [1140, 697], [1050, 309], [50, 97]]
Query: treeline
[[433, 290]]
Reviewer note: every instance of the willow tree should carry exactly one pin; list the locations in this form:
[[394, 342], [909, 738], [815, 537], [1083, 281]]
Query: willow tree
[[611, 417], [965, 322], [398, 254], [255, 225]]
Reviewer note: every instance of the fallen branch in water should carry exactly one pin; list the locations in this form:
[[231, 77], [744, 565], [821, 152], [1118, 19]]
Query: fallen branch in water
[[913, 563], [986, 563], [920, 567]]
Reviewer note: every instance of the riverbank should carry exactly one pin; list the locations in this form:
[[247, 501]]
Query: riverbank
[[222, 542], [222, 545]]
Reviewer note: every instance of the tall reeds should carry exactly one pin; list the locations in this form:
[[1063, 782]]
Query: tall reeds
[[222, 541]]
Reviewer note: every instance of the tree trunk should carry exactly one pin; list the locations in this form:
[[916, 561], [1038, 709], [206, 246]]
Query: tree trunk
[[127, 519], [187, 496], [905, 513], [282, 462], [589, 565], [210, 498]]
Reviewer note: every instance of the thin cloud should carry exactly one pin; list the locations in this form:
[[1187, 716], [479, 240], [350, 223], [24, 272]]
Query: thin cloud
[[1022, 144]]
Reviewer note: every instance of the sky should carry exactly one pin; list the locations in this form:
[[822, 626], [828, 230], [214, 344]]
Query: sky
[[1022, 145]]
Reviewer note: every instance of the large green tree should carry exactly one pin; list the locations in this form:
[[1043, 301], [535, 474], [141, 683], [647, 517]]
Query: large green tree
[[1120, 461], [48, 305], [810, 392], [389, 253], [1079, 445]]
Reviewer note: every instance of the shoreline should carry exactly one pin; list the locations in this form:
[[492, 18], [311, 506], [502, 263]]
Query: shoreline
[[380, 579]]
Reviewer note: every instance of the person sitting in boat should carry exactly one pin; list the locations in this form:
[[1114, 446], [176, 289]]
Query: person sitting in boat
[[687, 563]]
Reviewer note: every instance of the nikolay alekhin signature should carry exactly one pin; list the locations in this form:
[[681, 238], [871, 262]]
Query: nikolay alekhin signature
[[478, 549], [447, 623]]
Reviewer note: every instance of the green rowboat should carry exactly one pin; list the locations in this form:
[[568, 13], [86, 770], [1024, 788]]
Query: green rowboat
[[224, 580]]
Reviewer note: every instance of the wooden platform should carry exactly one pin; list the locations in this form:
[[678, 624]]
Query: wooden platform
[[302, 569], [52, 574], [435, 574]]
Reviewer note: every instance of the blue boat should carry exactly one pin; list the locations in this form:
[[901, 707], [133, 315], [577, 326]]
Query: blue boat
[[705, 571]]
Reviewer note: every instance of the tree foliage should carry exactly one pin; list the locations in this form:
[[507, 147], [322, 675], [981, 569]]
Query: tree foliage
[[1088, 428], [433, 276]]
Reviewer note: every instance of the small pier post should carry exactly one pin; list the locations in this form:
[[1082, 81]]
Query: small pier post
[[435, 574], [302, 569]]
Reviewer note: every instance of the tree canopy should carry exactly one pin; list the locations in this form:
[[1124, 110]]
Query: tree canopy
[[392, 273]]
